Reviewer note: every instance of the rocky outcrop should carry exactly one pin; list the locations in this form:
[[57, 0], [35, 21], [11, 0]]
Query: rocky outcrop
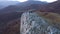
[[32, 23]]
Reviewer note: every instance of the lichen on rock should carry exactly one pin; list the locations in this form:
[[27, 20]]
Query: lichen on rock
[[32, 23]]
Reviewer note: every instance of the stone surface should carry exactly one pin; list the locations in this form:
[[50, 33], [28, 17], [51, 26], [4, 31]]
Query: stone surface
[[32, 23]]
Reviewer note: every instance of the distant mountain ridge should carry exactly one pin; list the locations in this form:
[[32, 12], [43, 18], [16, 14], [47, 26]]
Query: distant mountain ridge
[[23, 6], [53, 7], [7, 3], [27, 3]]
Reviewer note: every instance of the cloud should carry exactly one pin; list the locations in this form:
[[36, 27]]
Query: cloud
[[49, 0]]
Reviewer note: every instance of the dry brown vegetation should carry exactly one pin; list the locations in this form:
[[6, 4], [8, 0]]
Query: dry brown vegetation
[[52, 18], [13, 27]]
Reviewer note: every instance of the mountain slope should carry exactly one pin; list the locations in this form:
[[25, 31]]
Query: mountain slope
[[53, 7], [12, 27]]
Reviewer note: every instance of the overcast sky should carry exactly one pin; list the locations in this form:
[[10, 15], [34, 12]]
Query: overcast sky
[[30, 0], [16, 0]]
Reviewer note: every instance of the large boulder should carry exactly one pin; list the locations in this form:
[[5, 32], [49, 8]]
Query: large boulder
[[32, 23]]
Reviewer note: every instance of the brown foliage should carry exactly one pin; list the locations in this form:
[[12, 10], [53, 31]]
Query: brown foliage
[[13, 27]]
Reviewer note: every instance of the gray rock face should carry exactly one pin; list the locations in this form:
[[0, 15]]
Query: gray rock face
[[32, 23]]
